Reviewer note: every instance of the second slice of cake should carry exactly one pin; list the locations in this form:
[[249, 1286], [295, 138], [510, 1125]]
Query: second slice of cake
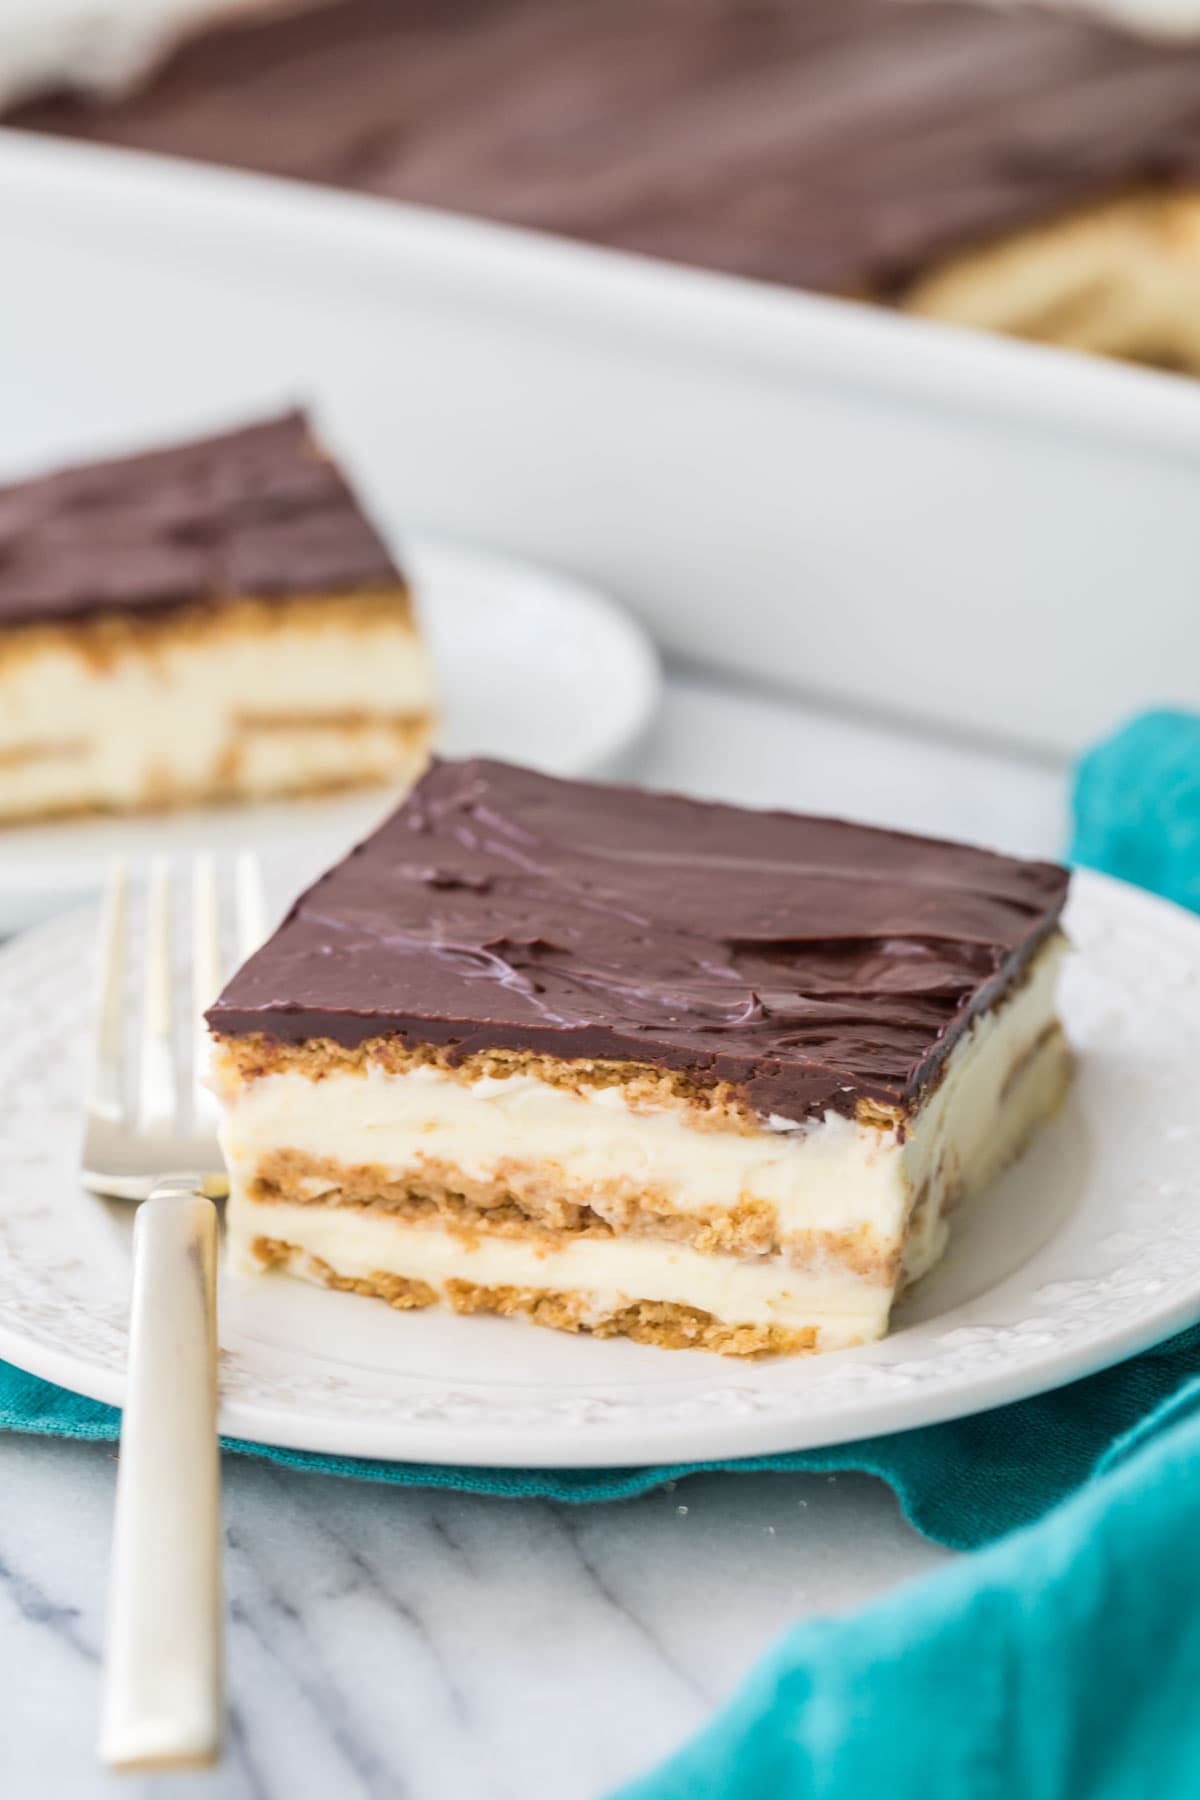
[[627, 1063], [214, 621]]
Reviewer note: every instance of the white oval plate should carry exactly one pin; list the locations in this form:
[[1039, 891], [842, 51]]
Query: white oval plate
[[1087, 1251], [531, 667]]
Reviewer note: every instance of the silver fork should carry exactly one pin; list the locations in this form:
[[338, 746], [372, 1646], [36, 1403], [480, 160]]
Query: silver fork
[[162, 1703]]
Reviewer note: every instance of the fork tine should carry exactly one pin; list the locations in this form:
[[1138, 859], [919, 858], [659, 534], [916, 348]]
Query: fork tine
[[251, 906], [106, 1092], [206, 978], [158, 1090]]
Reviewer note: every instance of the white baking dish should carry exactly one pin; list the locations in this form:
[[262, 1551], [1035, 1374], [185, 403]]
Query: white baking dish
[[850, 503]]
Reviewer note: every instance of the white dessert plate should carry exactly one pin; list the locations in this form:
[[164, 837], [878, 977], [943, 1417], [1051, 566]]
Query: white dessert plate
[[1086, 1252], [531, 666]]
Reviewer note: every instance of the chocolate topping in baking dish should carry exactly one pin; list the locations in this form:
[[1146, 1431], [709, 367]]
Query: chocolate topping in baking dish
[[834, 144]]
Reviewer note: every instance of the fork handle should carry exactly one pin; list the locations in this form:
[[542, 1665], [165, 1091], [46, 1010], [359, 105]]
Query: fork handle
[[162, 1705]]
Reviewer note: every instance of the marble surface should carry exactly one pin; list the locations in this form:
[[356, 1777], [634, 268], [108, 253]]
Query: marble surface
[[386, 1643]]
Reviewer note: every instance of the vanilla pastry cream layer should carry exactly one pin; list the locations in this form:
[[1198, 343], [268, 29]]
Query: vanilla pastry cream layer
[[857, 1208], [600, 1277], [216, 709]]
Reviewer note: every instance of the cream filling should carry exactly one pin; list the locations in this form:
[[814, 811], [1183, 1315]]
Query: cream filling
[[608, 1273], [831, 1174], [825, 1175], [164, 719]]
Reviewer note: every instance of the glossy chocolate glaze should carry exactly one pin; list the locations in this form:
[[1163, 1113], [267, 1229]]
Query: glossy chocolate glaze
[[258, 511], [836, 144], [811, 962]]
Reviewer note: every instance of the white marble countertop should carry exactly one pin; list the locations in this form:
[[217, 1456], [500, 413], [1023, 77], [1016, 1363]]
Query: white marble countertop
[[389, 1643]]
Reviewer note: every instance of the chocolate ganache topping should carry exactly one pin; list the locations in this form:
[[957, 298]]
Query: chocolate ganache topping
[[255, 512], [811, 962], [834, 144]]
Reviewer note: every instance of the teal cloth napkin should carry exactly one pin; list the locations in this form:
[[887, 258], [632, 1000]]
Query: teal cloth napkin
[[1137, 806], [1063, 1663]]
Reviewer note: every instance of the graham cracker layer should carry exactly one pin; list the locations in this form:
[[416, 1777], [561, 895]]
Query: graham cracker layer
[[407, 726], [534, 1198], [413, 735], [20, 756], [1119, 278], [538, 1202], [410, 736], [102, 639], [715, 1106], [666, 1325], [399, 1291]]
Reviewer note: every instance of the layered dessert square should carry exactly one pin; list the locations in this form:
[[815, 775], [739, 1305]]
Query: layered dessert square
[[1031, 168], [631, 1064], [215, 621]]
